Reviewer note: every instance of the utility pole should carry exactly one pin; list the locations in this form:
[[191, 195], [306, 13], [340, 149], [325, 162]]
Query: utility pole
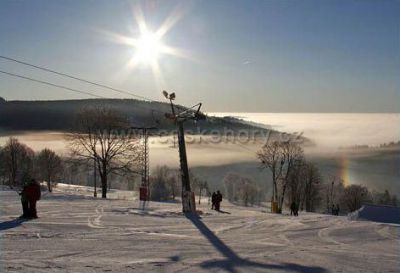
[[145, 176], [188, 202], [95, 177], [145, 186], [331, 205]]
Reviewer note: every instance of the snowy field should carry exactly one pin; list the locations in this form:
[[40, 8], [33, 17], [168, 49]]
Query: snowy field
[[76, 233]]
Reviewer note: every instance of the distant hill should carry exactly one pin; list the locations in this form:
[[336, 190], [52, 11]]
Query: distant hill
[[58, 115]]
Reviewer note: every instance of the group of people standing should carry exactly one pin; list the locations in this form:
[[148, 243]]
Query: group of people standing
[[216, 199], [30, 194]]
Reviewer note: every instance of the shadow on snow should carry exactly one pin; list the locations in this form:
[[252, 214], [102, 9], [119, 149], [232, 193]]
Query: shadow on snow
[[233, 261], [12, 223]]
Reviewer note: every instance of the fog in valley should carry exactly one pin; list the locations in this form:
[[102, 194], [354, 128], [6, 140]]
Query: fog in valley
[[333, 136]]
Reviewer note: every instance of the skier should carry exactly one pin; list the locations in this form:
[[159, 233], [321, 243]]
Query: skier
[[213, 199], [24, 202], [293, 208], [34, 194], [218, 200]]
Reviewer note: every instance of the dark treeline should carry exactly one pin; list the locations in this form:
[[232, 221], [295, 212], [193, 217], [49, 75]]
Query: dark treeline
[[19, 164], [58, 115]]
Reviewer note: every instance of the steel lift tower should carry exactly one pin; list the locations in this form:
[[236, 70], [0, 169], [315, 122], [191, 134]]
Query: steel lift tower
[[188, 202]]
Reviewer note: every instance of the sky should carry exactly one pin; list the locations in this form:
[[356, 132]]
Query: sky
[[233, 56]]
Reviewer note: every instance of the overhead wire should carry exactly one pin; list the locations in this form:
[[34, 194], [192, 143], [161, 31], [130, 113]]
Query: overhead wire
[[46, 69], [52, 84], [78, 79], [75, 78]]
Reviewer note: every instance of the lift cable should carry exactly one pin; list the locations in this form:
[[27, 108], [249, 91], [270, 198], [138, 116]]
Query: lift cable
[[76, 78]]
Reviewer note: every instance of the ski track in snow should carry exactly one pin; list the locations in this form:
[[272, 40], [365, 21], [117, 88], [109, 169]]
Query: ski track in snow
[[95, 221], [77, 234]]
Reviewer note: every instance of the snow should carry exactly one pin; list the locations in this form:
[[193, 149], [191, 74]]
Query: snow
[[383, 214], [77, 233]]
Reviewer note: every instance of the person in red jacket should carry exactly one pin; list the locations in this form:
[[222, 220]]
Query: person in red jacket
[[33, 194]]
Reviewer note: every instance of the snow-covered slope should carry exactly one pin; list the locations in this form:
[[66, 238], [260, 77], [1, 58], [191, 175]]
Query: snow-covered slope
[[77, 233], [68, 189]]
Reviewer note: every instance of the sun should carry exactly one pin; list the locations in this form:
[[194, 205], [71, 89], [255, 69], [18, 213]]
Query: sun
[[148, 48], [147, 45]]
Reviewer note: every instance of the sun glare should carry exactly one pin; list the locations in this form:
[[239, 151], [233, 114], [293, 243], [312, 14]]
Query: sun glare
[[148, 48]]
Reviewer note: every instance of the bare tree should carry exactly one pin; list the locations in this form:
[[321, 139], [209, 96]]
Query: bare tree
[[248, 191], [100, 135], [17, 161], [200, 185], [355, 196], [271, 157], [280, 157], [296, 185], [305, 186], [173, 185], [313, 187], [334, 190], [231, 182], [73, 170], [48, 166], [203, 186], [241, 189], [172, 180], [292, 156], [160, 187]]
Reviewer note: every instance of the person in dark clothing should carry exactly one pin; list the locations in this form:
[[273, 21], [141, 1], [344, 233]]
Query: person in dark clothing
[[293, 208], [337, 209], [218, 200], [34, 194], [24, 202], [213, 199]]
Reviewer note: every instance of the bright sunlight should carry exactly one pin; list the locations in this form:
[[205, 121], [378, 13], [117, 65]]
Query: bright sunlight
[[148, 47]]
